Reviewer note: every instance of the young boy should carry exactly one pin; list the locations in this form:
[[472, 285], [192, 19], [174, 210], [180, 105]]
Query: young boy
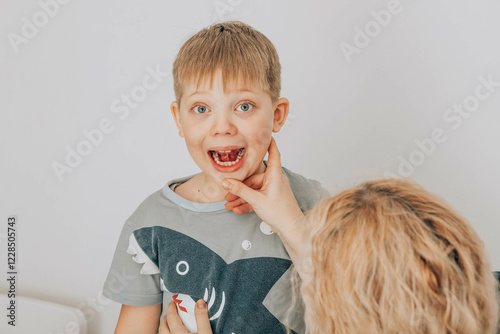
[[181, 243]]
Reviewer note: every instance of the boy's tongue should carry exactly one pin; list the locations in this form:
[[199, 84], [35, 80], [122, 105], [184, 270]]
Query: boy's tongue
[[228, 156]]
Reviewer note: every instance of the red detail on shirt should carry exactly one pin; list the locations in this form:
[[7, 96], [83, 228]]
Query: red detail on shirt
[[178, 302]]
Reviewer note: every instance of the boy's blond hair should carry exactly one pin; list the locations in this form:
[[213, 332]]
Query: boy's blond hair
[[245, 56], [390, 257]]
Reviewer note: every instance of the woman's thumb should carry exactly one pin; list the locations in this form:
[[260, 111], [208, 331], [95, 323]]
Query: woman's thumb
[[201, 315], [240, 189]]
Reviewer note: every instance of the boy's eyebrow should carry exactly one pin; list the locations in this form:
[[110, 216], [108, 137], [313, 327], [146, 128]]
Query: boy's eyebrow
[[237, 90]]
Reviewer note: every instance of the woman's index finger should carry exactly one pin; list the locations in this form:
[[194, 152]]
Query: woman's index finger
[[274, 159], [173, 320]]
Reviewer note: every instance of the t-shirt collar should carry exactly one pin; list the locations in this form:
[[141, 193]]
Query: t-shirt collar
[[187, 204]]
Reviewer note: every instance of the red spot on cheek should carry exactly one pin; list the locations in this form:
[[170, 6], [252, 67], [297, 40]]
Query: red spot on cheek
[[178, 302]]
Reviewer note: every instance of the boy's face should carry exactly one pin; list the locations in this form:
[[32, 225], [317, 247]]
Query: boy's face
[[228, 133]]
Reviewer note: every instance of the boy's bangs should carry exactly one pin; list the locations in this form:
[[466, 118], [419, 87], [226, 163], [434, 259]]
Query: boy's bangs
[[232, 78], [238, 57], [245, 58]]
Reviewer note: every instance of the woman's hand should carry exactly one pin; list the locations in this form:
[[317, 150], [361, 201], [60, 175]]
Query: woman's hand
[[172, 323], [272, 199]]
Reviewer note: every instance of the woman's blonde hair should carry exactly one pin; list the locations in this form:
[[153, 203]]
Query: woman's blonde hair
[[244, 55], [389, 257]]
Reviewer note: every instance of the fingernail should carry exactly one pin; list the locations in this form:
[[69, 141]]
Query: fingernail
[[201, 304], [227, 185]]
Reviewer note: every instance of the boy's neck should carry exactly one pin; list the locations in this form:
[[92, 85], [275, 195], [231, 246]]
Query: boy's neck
[[204, 189]]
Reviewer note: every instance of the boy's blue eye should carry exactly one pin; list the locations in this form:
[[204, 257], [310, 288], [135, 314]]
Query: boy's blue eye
[[202, 109], [246, 107]]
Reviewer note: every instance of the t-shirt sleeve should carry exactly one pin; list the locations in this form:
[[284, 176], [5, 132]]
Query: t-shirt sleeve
[[125, 284]]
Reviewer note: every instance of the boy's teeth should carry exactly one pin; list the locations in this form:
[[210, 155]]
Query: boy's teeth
[[215, 155]]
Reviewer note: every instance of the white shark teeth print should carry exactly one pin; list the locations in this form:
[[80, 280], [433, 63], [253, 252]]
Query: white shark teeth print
[[162, 285], [212, 300], [149, 268]]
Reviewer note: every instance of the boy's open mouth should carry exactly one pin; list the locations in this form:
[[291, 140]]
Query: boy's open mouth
[[227, 158]]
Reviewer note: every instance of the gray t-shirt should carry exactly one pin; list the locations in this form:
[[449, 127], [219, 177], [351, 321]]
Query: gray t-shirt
[[175, 249]]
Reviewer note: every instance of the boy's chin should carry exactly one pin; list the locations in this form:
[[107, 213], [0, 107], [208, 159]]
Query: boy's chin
[[220, 176], [241, 174]]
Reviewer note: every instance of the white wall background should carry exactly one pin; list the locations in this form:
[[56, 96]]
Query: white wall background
[[349, 121]]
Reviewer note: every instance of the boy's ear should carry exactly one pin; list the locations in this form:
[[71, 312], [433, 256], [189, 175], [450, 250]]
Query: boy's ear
[[174, 108], [280, 113]]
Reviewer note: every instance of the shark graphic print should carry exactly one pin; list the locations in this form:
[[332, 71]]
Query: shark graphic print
[[189, 270]]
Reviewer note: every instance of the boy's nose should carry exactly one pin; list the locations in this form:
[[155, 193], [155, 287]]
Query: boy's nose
[[222, 125]]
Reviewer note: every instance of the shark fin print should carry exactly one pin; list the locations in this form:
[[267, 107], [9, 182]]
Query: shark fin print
[[234, 292]]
